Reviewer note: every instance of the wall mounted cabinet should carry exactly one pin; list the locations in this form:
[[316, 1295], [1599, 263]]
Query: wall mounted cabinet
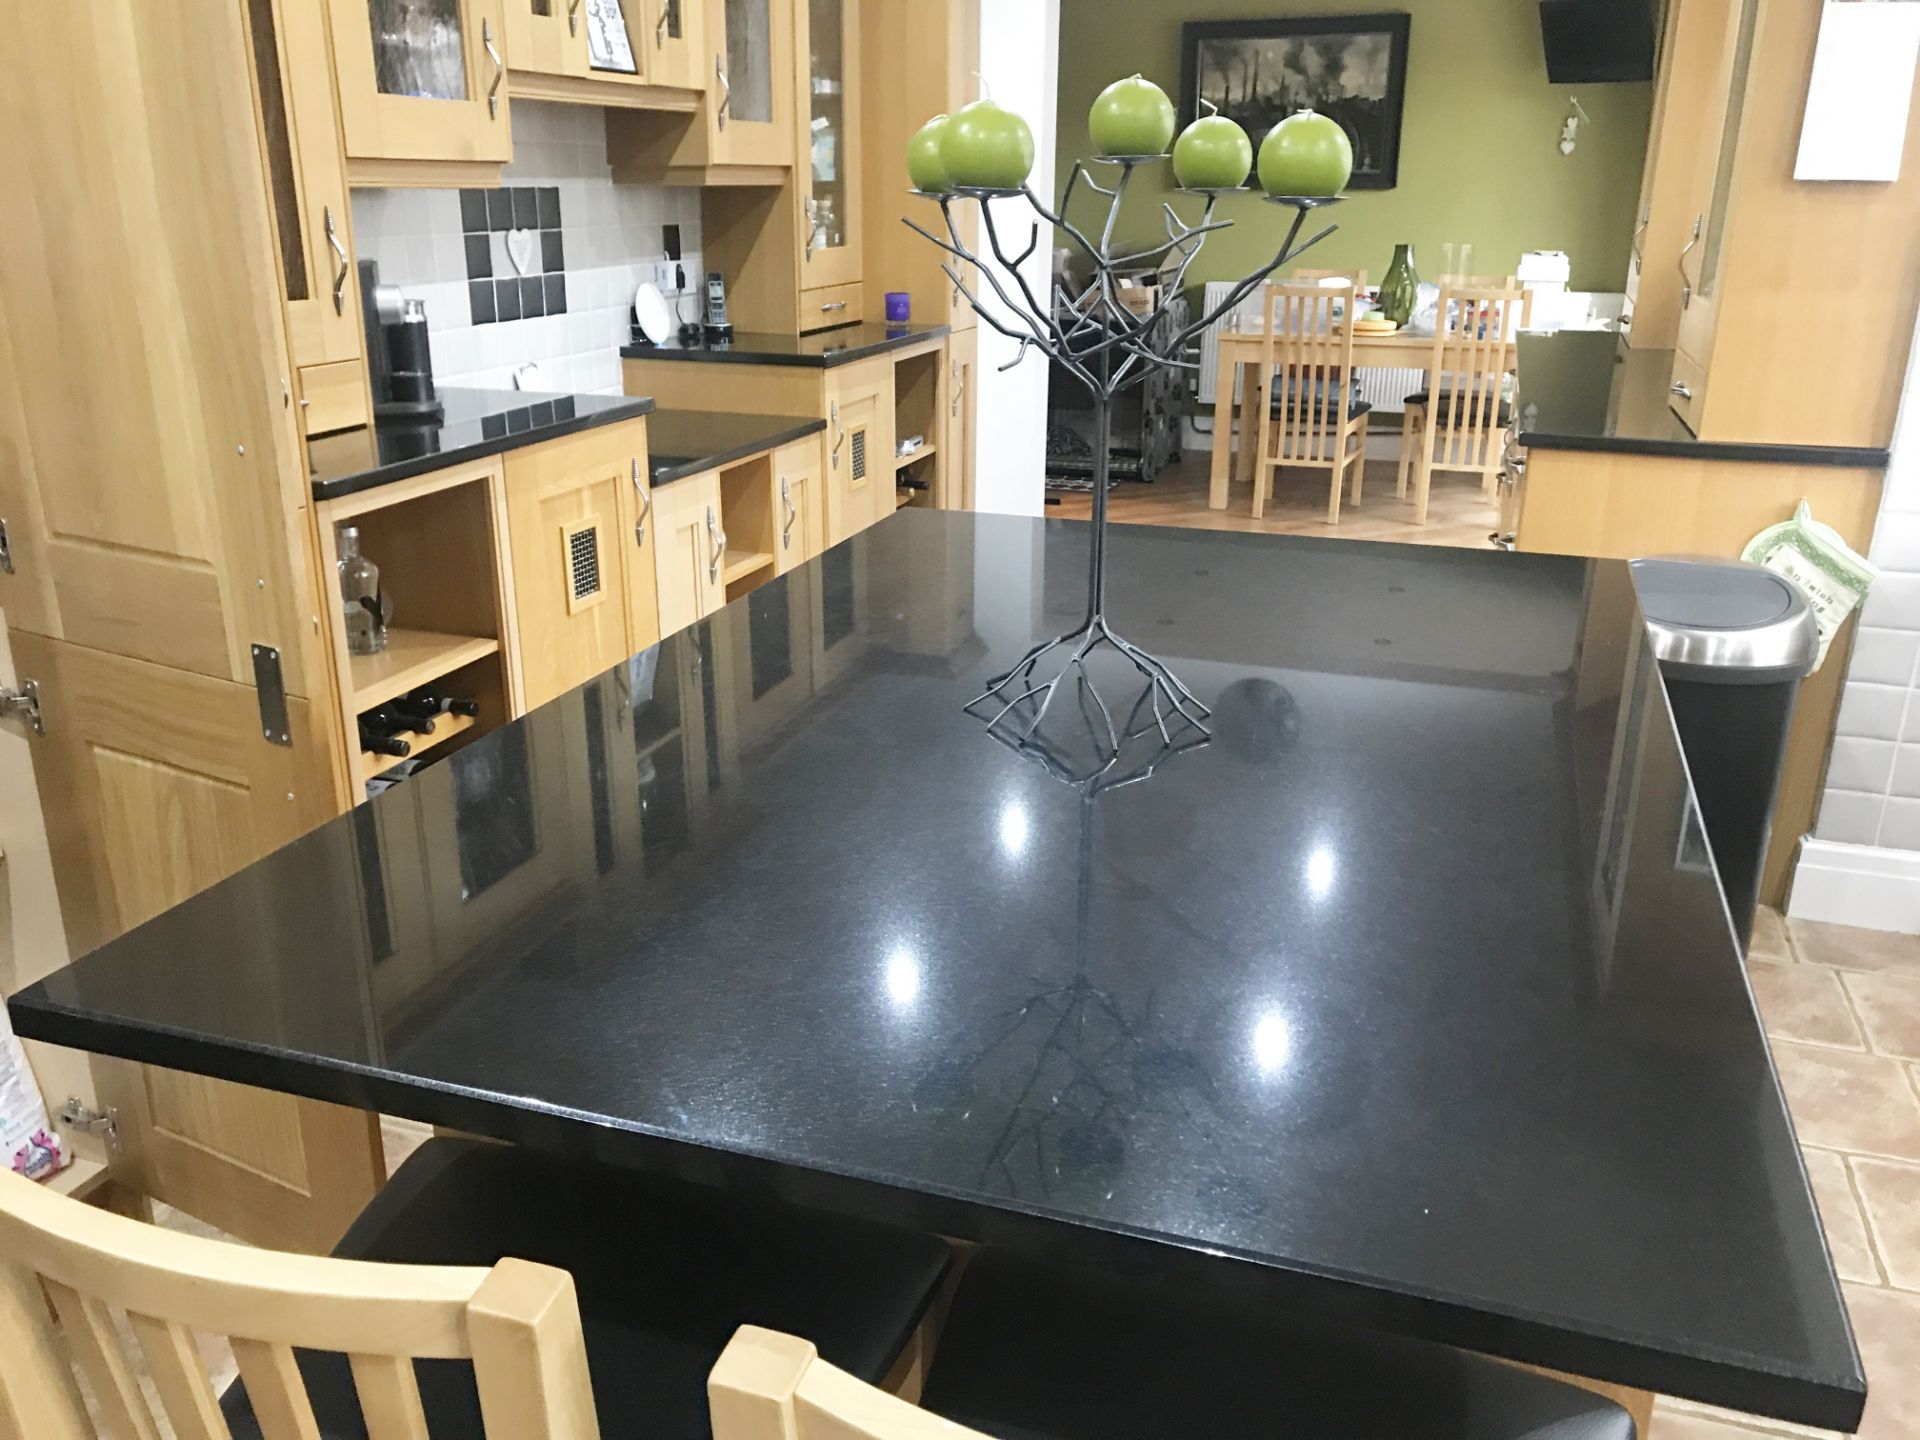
[[550, 55], [423, 90]]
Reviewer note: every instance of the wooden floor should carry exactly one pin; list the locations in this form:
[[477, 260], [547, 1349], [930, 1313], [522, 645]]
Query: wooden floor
[[1457, 513]]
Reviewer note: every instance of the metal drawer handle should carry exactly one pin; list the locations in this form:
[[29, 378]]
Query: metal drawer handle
[[499, 69], [573, 17], [833, 305], [813, 221], [719, 539], [660, 30], [646, 505], [726, 91], [1682, 389], [340, 254], [786, 499], [1686, 281]]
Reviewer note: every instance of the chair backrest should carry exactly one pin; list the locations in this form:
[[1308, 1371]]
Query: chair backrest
[[1307, 362], [1356, 278], [1477, 282], [519, 1324], [770, 1386], [1475, 345]]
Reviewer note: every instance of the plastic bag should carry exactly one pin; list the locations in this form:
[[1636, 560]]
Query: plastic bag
[[1822, 565], [32, 1147]]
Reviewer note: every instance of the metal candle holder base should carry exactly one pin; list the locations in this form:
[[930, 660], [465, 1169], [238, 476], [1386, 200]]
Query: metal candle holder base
[[1107, 348]]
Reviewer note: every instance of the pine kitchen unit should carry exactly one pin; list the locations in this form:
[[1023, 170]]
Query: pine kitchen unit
[[548, 55]]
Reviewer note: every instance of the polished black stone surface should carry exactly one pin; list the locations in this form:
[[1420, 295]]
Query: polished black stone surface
[[1589, 390], [685, 442], [477, 423], [824, 348], [1411, 998]]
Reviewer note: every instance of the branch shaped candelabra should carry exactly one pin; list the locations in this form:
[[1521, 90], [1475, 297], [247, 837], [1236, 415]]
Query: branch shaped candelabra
[[1109, 349]]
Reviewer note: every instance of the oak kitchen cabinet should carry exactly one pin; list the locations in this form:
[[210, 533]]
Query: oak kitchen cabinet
[[860, 425], [549, 56], [692, 550], [957, 446], [423, 93], [797, 477], [307, 181], [579, 512]]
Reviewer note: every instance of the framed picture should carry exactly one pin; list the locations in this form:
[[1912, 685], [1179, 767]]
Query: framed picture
[[1350, 67], [607, 45]]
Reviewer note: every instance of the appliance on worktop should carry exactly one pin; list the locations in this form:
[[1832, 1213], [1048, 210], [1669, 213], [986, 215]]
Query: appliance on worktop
[[399, 358]]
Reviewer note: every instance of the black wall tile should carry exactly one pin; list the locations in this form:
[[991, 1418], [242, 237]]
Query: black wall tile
[[499, 209], [532, 297], [552, 256], [547, 206], [556, 292], [526, 209], [479, 256], [506, 299], [473, 210], [480, 300]]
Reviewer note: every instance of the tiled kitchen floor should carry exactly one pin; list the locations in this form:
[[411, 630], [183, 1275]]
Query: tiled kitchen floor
[[1843, 1009]]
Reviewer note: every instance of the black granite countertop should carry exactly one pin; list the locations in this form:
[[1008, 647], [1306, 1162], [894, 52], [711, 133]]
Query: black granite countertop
[[1411, 998], [477, 423], [824, 348], [686, 442], [1589, 390]]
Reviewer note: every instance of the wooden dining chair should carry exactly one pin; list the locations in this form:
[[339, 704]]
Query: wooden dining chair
[[68, 1270], [1454, 421], [1356, 278], [1308, 413], [1047, 1354]]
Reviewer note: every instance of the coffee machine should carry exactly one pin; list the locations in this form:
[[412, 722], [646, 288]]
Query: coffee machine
[[399, 362]]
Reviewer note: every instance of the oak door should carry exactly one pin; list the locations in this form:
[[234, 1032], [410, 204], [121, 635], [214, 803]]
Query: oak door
[[859, 447], [692, 548], [956, 445], [827, 161], [750, 83], [153, 487], [670, 31], [802, 505], [583, 558], [422, 80]]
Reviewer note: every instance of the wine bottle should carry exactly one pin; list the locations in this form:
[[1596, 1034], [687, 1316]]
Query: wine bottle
[[375, 743], [427, 701], [387, 720]]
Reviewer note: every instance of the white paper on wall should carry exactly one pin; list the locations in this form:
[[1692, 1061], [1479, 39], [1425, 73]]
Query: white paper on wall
[[27, 1141], [607, 45], [1861, 91]]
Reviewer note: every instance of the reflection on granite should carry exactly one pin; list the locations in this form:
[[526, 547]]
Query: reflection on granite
[[1411, 998], [1590, 390], [823, 348], [476, 424]]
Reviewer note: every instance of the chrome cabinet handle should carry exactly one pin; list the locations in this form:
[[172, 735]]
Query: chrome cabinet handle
[[833, 305], [646, 505], [1646, 219], [726, 91], [786, 499], [839, 432], [1682, 389], [499, 68], [719, 539], [1686, 281], [813, 214], [959, 387], [660, 29], [573, 17], [340, 254]]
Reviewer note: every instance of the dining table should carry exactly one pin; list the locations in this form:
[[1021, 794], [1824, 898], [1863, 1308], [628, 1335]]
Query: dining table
[[1403, 994]]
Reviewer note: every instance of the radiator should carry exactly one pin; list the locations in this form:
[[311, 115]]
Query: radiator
[[1385, 390]]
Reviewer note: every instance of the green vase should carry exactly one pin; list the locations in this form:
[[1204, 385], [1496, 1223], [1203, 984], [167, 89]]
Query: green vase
[[1401, 287]]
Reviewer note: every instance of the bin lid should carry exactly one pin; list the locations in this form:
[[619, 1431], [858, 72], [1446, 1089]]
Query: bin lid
[[1727, 622]]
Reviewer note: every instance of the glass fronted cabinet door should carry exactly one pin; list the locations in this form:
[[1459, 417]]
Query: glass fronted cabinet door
[[421, 80], [829, 142], [750, 82]]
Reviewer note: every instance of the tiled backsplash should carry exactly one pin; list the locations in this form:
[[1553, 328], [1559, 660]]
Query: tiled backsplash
[[1873, 780], [602, 237]]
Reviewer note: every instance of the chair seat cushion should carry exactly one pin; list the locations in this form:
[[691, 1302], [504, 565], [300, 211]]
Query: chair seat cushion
[[665, 1272], [1318, 394], [1423, 398], [1034, 1354]]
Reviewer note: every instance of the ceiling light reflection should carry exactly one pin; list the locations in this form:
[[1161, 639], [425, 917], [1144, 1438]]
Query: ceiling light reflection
[[903, 978], [1013, 829], [1320, 871], [1272, 1042]]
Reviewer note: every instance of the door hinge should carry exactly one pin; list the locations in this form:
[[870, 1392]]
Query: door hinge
[[76, 1114], [6, 551], [23, 704], [271, 688]]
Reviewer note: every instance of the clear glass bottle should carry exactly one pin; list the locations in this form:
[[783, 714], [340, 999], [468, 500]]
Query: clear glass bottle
[[366, 607]]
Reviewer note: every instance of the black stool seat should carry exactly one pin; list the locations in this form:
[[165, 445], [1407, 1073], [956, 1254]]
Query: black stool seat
[[665, 1272], [1423, 398], [1035, 1354]]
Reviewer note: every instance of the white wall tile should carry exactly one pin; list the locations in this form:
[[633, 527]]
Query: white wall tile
[[1883, 657], [1872, 711], [1850, 817], [1903, 780], [1900, 826], [1858, 764]]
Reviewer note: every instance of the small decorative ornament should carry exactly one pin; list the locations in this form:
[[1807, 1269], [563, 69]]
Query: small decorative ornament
[[521, 245]]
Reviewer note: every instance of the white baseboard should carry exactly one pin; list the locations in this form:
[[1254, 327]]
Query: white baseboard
[[1857, 885]]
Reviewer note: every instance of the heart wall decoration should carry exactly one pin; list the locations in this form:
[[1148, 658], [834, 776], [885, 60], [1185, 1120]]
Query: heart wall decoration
[[521, 248]]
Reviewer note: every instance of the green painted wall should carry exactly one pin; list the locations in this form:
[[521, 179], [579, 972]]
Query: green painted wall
[[1480, 161]]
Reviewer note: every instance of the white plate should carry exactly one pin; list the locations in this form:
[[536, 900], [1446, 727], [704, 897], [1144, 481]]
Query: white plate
[[650, 308]]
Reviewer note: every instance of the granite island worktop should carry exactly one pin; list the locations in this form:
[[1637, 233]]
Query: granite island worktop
[[1410, 999], [822, 349]]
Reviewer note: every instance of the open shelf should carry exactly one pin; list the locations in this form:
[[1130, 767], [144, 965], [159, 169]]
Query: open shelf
[[738, 564], [412, 658], [445, 727], [900, 462]]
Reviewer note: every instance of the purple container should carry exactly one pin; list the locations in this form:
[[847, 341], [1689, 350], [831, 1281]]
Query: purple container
[[899, 307]]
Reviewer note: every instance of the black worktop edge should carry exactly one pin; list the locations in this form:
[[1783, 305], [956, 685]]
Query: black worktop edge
[[1759, 452], [633, 408], [1828, 1402], [723, 355], [680, 469]]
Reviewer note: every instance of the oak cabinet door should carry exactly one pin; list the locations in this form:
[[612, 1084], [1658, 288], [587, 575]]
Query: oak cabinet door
[[692, 546], [797, 486], [827, 163], [859, 447], [750, 82], [422, 79], [956, 445]]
